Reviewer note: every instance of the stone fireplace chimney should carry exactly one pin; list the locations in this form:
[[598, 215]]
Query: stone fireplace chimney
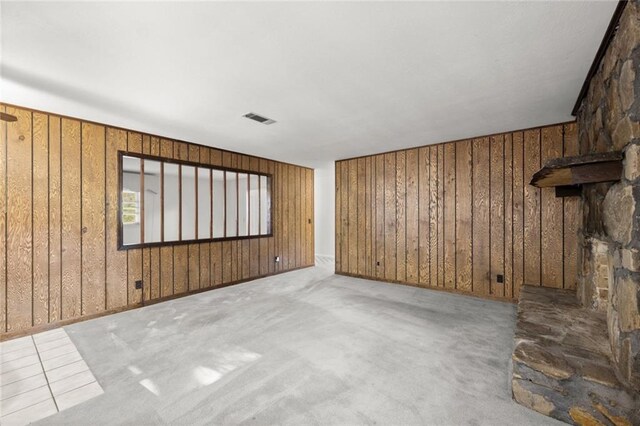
[[609, 120]]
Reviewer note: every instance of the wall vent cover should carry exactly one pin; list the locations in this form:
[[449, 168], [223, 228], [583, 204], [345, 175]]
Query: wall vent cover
[[259, 118]]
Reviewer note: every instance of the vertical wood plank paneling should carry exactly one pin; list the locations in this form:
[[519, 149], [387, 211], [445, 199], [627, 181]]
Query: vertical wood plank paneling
[[215, 159], [134, 257], [245, 245], [424, 217], [360, 216], [434, 224], [401, 220], [464, 218], [412, 215], [40, 218], [19, 221], [572, 216], [481, 229], [55, 253], [227, 246], [441, 213], [496, 218], [310, 237], [151, 267], [339, 188], [518, 212], [352, 223], [255, 245], [346, 194], [93, 219], [180, 252], [552, 238], [3, 228], [289, 219], [59, 223], [380, 216], [457, 215], [116, 261], [531, 208], [300, 197], [71, 219], [367, 226], [450, 215], [166, 252], [508, 216], [390, 216], [263, 250], [193, 250], [278, 212]]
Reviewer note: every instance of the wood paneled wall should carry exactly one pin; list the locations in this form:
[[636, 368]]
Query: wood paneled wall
[[58, 224], [456, 215]]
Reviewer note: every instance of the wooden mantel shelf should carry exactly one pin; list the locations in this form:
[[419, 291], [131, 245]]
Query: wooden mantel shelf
[[568, 171]]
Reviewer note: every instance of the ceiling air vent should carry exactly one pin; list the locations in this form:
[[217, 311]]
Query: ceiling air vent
[[259, 118]]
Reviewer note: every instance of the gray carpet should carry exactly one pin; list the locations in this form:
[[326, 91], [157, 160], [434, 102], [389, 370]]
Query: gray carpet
[[306, 347]]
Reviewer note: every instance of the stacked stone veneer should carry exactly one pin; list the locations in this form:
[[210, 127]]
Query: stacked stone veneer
[[561, 362], [609, 120]]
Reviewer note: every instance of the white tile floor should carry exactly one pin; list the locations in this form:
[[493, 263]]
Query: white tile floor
[[41, 375]]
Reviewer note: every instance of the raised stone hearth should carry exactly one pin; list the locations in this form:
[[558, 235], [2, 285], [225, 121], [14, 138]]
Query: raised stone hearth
[[562, 362]]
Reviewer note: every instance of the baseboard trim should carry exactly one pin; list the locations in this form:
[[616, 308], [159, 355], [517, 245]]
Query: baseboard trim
[[443, 289]]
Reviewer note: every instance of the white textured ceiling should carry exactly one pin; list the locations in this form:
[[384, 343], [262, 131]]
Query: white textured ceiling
[[341, 79]]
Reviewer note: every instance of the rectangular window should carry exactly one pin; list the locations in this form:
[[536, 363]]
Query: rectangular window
[[166, 201]]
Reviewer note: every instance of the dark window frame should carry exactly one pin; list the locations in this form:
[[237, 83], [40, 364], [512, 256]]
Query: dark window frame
[[163, 160]]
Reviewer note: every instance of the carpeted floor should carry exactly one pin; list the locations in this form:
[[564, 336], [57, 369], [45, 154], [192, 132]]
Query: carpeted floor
[[306, 347]]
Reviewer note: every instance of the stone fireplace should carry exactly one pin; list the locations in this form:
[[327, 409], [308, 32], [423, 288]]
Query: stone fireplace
[[577, 355], [609, 120]]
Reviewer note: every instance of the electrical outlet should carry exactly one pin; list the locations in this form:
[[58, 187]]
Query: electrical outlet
[[500, 278], [139, 285], [377, 263], [277, 259]]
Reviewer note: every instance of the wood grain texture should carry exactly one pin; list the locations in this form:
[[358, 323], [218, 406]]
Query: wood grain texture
[[572, 216], [401, 220], [453, 215], [40, 218], [551, 249], [362, 216], [59, 194], [151, 256], [116, 260], [353, 217], [496, 219], [55, 207], [464, 218], [71, 219], [518, 212], [508, 216], [134, 257], [338, 217], [93, 219], [412, 217], [380, 216], [450, 238], [424, 216], [532, 235], [481, 217], [441, 215], [3, 227], [434, 223], [193, 250], [19, 226], [310, 233], [390, 243]]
